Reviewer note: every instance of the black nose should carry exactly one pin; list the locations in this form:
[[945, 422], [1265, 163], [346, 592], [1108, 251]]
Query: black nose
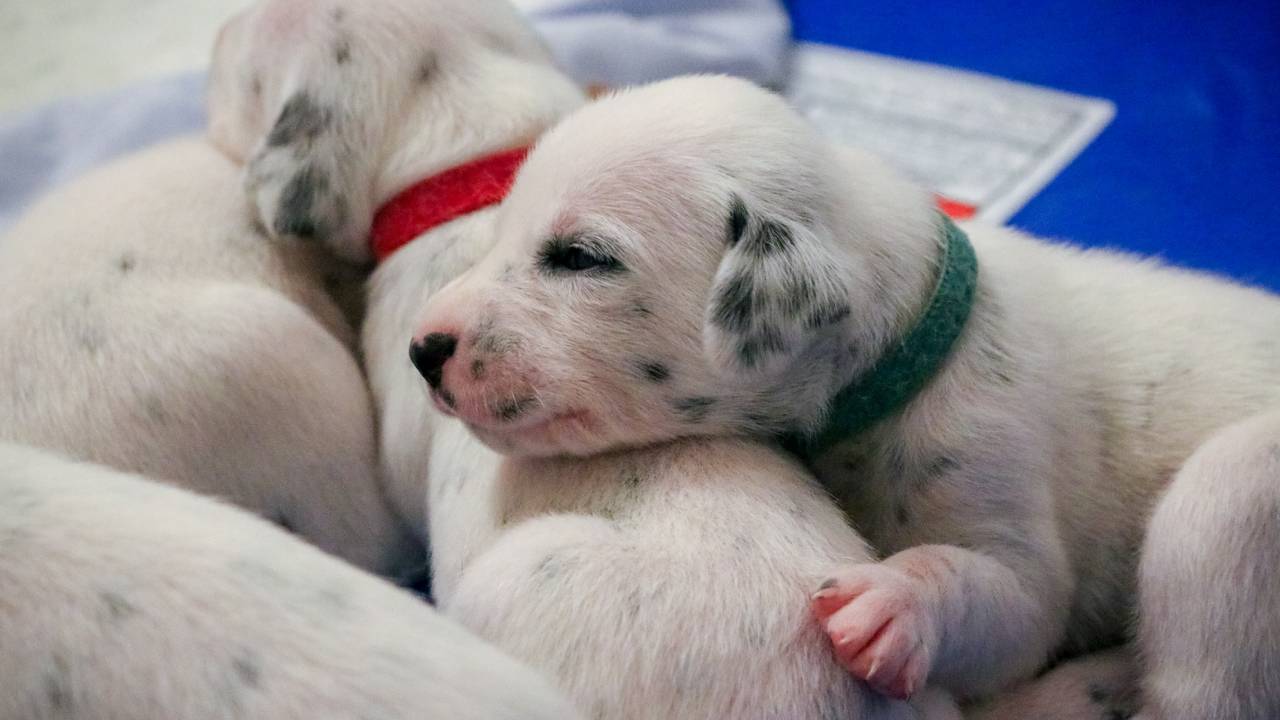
[[430, 355]]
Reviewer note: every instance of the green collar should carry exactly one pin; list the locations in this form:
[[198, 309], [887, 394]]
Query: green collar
[[906, 367]]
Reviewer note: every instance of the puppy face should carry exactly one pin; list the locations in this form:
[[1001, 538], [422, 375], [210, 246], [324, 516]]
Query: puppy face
[[335, 106], [665, 266]]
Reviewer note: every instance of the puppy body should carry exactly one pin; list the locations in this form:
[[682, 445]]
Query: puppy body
[[151, 328], [128, 600], [647, 641], [690, 259], [670, 582]]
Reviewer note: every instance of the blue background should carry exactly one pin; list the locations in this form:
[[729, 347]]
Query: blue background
[[1189, 169]]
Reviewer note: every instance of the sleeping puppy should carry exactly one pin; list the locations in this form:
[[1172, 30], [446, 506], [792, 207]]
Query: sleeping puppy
[[577, 570], [128, 600], [150, 327], [691, 259]]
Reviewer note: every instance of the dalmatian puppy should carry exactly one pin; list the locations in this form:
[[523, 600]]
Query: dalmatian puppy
[[691, 259], [541, 574], [129, 600], [515, 569], [150, 327]]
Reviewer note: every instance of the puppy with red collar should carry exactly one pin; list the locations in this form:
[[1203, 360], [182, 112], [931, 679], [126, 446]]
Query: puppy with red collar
[[533, 562], [1039, 440], [149, 326]]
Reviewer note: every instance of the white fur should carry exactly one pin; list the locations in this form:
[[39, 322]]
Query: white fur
[[149, 326], [646, 640], [128, 600], [1009, 499]]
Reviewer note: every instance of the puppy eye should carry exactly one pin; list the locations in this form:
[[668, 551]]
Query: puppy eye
[[575, 255]]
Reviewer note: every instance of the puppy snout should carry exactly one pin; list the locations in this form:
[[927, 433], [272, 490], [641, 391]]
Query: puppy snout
[[430, 354]]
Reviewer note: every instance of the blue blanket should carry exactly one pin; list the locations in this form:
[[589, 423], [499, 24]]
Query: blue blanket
[[1189, 170]]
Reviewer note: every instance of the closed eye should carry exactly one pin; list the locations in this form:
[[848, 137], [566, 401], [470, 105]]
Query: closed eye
[[577, 254]]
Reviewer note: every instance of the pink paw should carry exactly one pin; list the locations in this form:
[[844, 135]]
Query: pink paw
[[881, 624]]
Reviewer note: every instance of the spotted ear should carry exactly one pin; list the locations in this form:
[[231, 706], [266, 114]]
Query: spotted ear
[[307, 179], [777, 290], [294, 101]]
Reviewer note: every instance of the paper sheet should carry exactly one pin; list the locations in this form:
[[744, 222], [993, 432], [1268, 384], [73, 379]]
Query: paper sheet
[[986, 145]]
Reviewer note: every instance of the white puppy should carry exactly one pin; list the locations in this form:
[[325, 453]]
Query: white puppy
[[128, 600], [692, 259], [578, 570], [149, 326], [612, 586]]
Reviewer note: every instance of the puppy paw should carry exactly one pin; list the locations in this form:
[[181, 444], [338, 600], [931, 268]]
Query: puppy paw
[[882, 626]]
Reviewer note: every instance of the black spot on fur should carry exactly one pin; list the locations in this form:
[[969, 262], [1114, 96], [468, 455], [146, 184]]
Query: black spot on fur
[[641, 310], [155, 410], [302, 119], [447, 398], [247, 670], [766, 340], [477, 369], [800, 294], [655, 371], [733, 306], [631, 479], [427, 67], [942, 465], [550, 566], [126, 263], [487, 342], [694, 409], [828, 315], [895, 461], [282, 521], [57, 688], [295, 215], [342, 51], [770, 239], [737, 219], [91, 340], [116, 605], [513, 409]]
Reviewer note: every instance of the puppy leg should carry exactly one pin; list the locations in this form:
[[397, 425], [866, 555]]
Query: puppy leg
[[1209, 612], [634, 625], [1102, 686], [129, 600]]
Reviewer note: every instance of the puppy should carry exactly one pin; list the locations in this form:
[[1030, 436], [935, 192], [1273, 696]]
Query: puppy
[[150, 327], [691, 259], [128, 600], [515, 554], [491, 88]]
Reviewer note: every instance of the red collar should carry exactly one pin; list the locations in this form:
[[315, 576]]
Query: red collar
[[440, 198]]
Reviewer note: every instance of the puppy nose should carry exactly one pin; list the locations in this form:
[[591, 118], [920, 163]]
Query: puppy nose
[[430, 354]]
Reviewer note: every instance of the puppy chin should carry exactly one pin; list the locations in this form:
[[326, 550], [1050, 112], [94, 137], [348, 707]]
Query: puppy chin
[[516, 444], [570, 433]]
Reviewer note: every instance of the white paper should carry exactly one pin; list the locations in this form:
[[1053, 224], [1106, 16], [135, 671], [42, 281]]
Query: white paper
[[975, 139]]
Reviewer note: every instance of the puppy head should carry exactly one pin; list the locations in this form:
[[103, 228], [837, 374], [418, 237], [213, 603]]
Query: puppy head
[[336, 106], [679, 259]]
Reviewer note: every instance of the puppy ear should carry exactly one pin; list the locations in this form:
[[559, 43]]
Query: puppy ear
[[291, 97], [306, 178], [777, 290]]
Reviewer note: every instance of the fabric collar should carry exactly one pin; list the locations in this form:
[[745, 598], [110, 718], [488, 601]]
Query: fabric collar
[[907, 366], [443, 197]]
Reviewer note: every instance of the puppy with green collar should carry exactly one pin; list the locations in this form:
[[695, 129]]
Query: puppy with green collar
[[1039, 440]]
